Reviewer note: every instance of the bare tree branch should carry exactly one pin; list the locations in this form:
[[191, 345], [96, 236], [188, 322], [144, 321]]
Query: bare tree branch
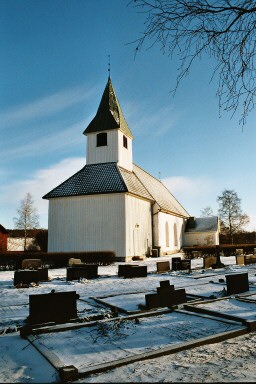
[[222, 29]]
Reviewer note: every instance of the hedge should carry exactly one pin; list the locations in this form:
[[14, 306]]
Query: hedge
[[13, 260], [224, 249]]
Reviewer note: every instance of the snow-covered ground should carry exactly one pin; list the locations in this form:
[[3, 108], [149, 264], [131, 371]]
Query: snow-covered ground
[[226, 361]]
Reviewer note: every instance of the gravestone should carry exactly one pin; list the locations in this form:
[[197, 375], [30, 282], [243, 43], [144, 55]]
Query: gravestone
[[209, 261], [249, 259], [163, 266], [87, 271], [57, 307], [166, 296], [25, 277], [31, 264], [176, 263], [73, 261], [186, 264], [123, 267], [237, 283], [135, 271], [152, 301], [240, 259]]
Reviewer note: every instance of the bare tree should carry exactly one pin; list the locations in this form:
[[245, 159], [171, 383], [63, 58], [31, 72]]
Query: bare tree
[[206, 212], [222, 29], [232, 219], [27, 217]]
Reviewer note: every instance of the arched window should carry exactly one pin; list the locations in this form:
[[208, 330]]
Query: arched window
[[102, 139], [167, 235], [175, 234]]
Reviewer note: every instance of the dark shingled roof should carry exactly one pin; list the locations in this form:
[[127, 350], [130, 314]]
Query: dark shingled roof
[[202, 224], [110, 178], [3, 230], [109, 115], [91, 179]]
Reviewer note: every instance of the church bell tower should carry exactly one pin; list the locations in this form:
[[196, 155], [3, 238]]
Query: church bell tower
[[109, 138]]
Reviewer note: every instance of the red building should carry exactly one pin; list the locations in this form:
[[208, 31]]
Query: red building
[[3, 239]]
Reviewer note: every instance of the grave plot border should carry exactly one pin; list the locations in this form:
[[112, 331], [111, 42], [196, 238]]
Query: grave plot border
[[250, 324], [71, 373]]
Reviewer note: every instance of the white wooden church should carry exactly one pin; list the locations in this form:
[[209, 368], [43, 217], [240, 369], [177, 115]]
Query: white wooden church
[[112, 203]]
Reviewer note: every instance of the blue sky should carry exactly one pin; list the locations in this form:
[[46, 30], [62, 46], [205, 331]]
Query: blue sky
[[53, 70]]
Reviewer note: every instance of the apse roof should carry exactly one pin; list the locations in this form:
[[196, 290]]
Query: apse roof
[[202, 224]]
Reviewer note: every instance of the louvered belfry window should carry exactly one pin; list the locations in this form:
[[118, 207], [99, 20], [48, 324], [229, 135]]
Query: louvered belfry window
[[102, 139], [125, 144]]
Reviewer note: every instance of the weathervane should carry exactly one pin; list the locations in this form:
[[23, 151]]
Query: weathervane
[[109, 65]]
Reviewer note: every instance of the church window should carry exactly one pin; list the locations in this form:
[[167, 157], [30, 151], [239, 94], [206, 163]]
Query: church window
[[167, 236], [125, 143], [175, 234], [102, 139]]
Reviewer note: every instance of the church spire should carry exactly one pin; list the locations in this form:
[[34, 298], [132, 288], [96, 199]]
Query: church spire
[[109, 114]]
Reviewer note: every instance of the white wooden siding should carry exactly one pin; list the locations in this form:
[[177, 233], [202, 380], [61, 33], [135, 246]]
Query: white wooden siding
[[160, 232], [113, 152], [200, 238], [138, 226], [87, 223]]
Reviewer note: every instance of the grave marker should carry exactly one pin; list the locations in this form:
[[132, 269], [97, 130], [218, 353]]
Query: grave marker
[[163, 266], [237, 283]]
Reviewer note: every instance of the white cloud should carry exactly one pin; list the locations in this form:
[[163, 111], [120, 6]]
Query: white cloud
[[65, 137], [193, 193], [37, 185], [46, 106]]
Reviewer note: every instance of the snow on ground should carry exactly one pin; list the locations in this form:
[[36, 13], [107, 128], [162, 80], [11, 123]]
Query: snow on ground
[[230, 360]]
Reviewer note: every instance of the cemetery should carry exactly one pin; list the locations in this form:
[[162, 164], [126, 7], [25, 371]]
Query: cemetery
[[86, 319]]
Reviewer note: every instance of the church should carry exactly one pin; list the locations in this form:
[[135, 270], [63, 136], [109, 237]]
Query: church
[[112, 204]]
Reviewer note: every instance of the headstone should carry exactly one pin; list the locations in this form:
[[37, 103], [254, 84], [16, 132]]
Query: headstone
[[186, 264], [72, 261], [25, 277], [240, 259], [154, 252], [209, 261], [249, 259], [135, 271], [166, 284], [152, 300], [237, 283], [176, 263], [31, 264], [87, 271], [58, 307], [123, 267], [163, 266]]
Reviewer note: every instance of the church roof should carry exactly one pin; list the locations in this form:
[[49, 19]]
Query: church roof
[[110, 178], [109, 114], [202, 224], [161, 195]]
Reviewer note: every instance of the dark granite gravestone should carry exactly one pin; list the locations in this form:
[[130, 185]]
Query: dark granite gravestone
[[185, 264], [123, 267], [152, 301], [166, 296], [176, 263], [57, 307], [237, 283], [163, 266], [135, 271], [87, 271], [25, 277]]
